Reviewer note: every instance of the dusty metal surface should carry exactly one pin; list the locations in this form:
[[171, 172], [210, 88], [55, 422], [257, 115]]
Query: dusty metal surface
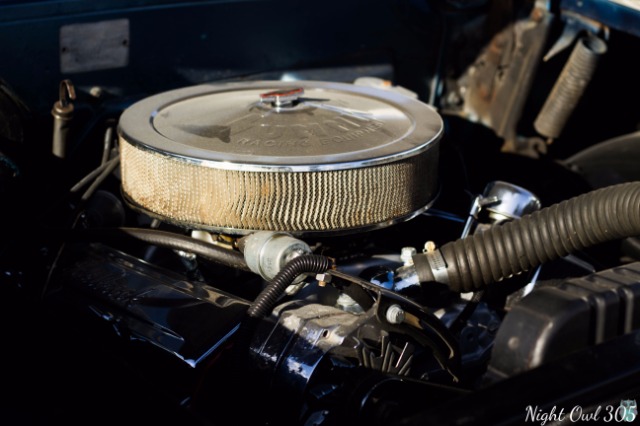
[[94, 46]]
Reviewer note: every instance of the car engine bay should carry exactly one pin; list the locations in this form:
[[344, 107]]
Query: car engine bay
[[406, 212]]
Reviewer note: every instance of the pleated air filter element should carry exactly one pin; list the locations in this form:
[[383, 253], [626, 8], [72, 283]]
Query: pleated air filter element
[[303, 157]]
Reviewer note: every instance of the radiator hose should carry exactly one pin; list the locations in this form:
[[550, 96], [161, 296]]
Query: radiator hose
[[474, 262]]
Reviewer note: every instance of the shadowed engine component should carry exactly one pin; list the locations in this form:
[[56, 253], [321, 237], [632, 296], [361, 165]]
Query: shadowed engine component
[[566, 316]]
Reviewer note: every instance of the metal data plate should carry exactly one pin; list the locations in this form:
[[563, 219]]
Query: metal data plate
[[94, 46]]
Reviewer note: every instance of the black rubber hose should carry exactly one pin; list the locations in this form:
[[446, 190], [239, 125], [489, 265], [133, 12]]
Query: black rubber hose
[[461, 320], [476, 261], [267, 299], [168, 240]]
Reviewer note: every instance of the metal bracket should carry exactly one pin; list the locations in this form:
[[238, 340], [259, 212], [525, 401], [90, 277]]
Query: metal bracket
[[574, 25]]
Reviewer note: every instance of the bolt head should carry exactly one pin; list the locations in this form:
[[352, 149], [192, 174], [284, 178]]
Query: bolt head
[[395, 314], [406, 255], [429, 247], [324, 277]]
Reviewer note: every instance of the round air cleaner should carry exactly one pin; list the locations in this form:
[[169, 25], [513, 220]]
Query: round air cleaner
[[300, 157]]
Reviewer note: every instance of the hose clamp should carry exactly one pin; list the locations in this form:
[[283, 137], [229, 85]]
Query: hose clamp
[[438, 266]]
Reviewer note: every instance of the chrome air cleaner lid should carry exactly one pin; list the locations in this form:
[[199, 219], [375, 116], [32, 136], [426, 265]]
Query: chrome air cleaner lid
[[277, 155]]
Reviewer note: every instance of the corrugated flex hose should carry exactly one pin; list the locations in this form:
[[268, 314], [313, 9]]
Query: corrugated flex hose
[[570, 86], [596, 217], [267, 299]]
